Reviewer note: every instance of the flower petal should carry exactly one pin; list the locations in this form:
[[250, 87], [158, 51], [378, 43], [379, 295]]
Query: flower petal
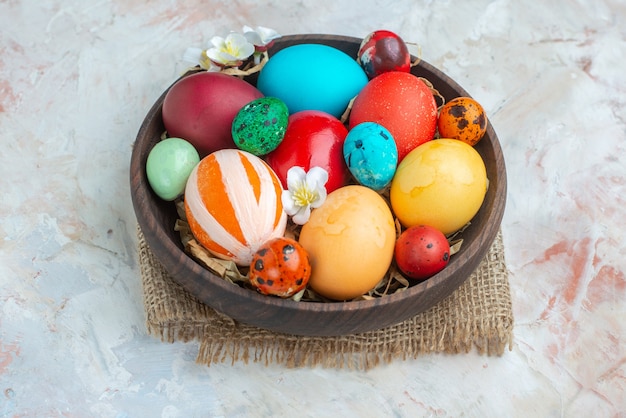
[[260, 36], [289, 205], [193, 55], [267, 34], [302, 216], [316, 177], [295, 176], [217, 42], [252, 36], [238, 46]]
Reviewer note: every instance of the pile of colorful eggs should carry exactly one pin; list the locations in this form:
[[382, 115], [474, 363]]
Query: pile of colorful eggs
[[353, 151]]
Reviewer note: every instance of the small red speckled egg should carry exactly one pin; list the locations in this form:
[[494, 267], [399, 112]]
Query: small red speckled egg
[[462, 118], [421, 251], [280, 267]]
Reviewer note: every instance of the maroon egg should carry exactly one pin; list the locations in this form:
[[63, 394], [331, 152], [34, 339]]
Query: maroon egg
[[313, 138], [200, 108], [382, 51]]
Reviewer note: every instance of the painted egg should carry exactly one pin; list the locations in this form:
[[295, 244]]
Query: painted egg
[[233, 206], [168, 166], [201, 107], [421, 252], [371, 155], [441, 183], [350, 240], [462, 118], [280, 267], [403, 104], [312, 139], [382, 51], [312, 77], [260, 125]]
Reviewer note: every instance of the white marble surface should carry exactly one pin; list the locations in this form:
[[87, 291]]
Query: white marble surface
[[76, 79]]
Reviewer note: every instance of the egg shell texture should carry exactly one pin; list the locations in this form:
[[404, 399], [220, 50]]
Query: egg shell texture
[[350, 241], [312, 139], [168, 167], [312, 77], [441, 183], [260, 125], [280, 267], [462, 118], [382, 51], [403, 104], [371, 155], [233, 204], [200, 108]]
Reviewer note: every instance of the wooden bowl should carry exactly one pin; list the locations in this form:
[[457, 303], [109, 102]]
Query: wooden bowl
[[157, 217]]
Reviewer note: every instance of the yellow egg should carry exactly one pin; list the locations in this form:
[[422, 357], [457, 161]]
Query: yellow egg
[[441, 183], [350, 240]]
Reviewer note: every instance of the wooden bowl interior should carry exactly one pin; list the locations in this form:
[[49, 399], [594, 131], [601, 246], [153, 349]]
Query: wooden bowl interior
[[157, 217]]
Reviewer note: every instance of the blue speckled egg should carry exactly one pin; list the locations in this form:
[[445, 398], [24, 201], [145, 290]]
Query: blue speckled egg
[[371, 155], [312, 77], [260, 125]]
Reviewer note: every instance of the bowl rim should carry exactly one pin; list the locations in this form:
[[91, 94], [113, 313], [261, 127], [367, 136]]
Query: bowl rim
[[182, 266]]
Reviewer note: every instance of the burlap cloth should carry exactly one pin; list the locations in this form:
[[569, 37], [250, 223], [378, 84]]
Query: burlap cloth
[[478, 314]]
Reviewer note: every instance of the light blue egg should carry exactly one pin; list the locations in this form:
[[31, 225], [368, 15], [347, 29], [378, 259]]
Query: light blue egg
[[312, 77], [371, 155]]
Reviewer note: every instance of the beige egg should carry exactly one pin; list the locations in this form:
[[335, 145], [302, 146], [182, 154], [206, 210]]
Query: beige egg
[[350, 240]]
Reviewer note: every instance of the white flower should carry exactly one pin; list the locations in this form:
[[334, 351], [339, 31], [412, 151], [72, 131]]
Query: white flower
[[262, 38], [230, 51], [197, 56], [306, 191]]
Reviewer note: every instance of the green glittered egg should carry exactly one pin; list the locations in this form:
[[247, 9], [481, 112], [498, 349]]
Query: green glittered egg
[[260, 125]]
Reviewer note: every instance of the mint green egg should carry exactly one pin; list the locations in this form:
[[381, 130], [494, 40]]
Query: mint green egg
[[259, 127], [169, 165]]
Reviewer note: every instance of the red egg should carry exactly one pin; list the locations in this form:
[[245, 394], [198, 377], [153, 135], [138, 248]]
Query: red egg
[[280, 267], [313, 138], [200, 108], [382, 51], [403, 104], [421, 251]]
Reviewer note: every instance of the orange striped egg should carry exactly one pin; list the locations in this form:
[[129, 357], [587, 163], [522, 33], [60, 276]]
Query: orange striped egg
[[233, 206]]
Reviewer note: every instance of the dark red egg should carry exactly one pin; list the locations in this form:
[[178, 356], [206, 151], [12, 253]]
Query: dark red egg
[[280, 267], [382, 51], [312, 138], [200, 108], [421, 251]]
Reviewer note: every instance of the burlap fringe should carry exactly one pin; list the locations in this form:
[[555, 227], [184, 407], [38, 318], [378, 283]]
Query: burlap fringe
[[478, 315]]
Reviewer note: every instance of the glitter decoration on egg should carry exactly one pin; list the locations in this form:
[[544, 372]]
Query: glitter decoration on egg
[[259, 127]]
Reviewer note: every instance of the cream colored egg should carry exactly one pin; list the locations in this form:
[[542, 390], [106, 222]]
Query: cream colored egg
[[350, 240]]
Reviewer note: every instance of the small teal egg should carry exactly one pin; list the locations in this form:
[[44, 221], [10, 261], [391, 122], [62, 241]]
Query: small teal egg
[[371, 155], [260, 125], [312, 77], [169, 165]]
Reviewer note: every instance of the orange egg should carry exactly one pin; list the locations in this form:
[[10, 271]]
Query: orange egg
[[462, 118], [350, 240], [233, 206]]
